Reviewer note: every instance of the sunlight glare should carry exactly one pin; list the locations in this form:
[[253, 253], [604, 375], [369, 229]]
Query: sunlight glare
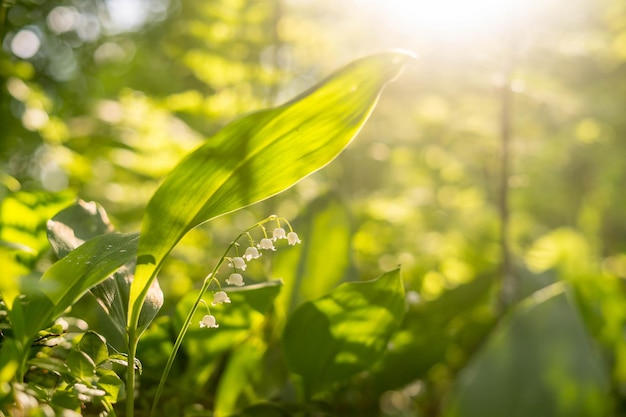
[[450, 18]]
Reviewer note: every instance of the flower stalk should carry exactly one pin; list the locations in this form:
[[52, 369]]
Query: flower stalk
[[208, 321]]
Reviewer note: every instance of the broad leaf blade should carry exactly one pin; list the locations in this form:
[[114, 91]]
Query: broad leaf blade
[[94, 346], [76, 224], [71, 277], [430, 328], [539, 362], [344, 332], [83, 221], [259, 156]]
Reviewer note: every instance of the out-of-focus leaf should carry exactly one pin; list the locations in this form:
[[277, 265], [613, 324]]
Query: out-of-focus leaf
[[82, 221], [10, 360], [22, 240], [80, 364], [344, 332], [23, 216], [264, 410], [539, 362], [12, 271], [424, 337], [76, 224], [110, 383], [316, 266], [71, 277], [50, 364], [94, 346], [239, 377], [257, 157]]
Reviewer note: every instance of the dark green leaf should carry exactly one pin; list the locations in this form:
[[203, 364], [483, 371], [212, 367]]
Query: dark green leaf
[[49, 364], [344, 332], [539, 362], [66, 400], [264, 410]]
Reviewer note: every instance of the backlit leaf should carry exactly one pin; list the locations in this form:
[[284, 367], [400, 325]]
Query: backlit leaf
[[71, 277], [82, 221], [344, 332], [257, 157]]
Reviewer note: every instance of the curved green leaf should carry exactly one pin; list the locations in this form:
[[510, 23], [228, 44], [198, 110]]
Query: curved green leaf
[[83, 221], [344, 332], [80, 364], [539, 362], [71, 277], [257, 157], [94, 346]]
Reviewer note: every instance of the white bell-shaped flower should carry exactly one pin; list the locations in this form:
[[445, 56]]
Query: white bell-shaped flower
[[220, 297], [292, 238], [251, 253], [279, 233], [235, 279], [237, 262], [209, 321], [266, 244]]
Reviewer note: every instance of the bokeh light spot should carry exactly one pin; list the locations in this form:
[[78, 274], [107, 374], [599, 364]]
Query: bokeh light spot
[[25, 44], [62, 19]]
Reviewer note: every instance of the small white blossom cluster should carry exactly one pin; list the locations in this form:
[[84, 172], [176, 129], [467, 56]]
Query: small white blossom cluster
[[239, 263]]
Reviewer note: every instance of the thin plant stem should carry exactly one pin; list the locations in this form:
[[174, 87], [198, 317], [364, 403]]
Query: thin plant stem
[[130, 372], [509, 285], [183, 331], [133, 340]]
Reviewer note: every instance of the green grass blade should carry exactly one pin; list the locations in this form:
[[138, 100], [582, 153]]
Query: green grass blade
[[257, 157]]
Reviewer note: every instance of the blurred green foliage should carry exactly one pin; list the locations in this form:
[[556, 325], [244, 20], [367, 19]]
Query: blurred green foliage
[[112, 98]]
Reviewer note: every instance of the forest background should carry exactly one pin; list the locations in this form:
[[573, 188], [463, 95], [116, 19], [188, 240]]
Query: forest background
[[491, 169]]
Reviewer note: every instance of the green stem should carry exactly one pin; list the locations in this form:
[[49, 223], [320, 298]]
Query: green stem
[[183, 331], [179, 341], [130, 371]]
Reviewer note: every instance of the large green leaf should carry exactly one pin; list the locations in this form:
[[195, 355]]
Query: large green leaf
[[257, 157], [82, 221], [344, 332], [458, 318], [539, 362], [71, 277]]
